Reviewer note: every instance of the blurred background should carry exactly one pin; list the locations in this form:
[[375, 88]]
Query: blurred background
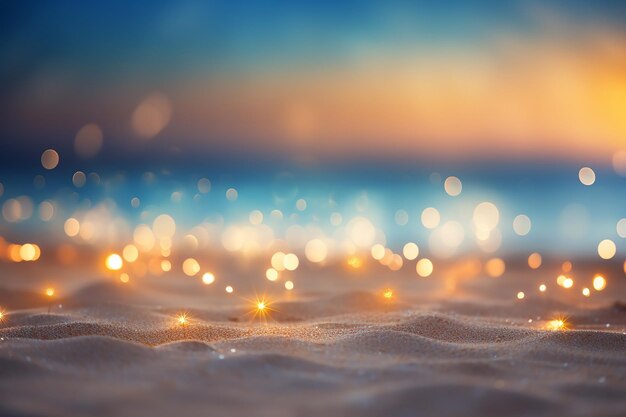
[[262, 145]]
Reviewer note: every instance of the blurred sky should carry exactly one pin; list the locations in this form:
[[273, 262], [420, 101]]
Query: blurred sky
[[317, 81]]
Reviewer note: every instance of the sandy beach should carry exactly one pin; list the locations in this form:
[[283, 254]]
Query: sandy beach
[[356, 353]]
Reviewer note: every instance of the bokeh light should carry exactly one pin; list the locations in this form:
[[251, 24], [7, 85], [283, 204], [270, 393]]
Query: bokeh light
[[88, 141], [361, 231], [453, 186], [486, 216], [430, 218], [232, 194], [424, 267], [208, 278], [521, 225], [114, 262], [410, 251], [607, 249], [204, 185], [378, 251], [495, 267], [271, 274], [130, 253], [587, 176], [316, 251], [191, 267], [621, 228], [534, 260], [49, 159], [599, 283], [151, 116]]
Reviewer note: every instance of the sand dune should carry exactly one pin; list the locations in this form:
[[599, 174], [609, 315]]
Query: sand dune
[[349, 354]]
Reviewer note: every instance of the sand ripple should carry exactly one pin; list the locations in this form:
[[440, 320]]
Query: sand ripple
[[357, 358]]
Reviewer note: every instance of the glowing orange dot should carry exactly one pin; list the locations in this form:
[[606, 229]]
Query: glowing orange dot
[[191, 267], [388, 293], [355, 262], [28, 252], [114, 262], [50, 291], [599, 283], [534, 260], [495, 267], [182, 320], [566, 266], [556, 324], [14, 252]]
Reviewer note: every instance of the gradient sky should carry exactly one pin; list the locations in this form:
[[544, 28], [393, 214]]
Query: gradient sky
[[318, 80]]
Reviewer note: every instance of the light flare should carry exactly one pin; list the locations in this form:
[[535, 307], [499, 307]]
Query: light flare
[[261, 307], [182, 320], [557, 324]]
